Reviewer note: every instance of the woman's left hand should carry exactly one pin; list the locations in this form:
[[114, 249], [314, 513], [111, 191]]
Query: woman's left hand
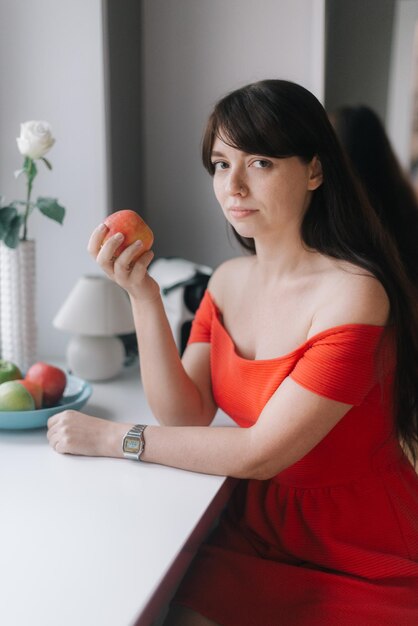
[[72, 432]]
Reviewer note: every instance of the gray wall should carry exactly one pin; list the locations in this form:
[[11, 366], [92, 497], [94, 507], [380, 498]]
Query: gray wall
[[123, 46], [195, 51], [358, 53], [370, 60]]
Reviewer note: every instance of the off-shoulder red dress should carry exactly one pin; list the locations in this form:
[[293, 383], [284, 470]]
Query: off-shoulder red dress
[[332, 539]]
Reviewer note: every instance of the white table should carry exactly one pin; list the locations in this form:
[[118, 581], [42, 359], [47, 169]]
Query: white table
[[94, 541]]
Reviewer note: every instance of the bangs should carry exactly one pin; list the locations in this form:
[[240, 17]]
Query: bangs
[[248, 123]]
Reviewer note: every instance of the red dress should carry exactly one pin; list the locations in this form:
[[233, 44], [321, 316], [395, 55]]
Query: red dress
[[333, 539]]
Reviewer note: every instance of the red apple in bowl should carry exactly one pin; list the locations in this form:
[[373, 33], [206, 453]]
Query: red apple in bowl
[[35, 391], [132, 226], [51, 379], [9, 371]]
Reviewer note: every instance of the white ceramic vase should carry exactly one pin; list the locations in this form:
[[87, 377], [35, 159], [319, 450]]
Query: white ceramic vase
[[18, 329]]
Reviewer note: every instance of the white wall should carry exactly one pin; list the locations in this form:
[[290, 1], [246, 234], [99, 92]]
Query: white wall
[[195, 51], [51, 68], [402, 81]]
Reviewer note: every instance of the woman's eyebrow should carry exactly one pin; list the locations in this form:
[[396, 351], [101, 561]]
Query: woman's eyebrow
[[217, 154]]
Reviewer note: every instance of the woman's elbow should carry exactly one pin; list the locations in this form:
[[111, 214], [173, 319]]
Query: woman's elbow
[[263, 470], [183, 418], [262, 463]]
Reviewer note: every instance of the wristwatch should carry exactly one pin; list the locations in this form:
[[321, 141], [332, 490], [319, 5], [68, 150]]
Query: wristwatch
[[134, 443]]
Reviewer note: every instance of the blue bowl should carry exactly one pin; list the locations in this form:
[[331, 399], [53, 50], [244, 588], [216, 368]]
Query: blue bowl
[[75, 396]]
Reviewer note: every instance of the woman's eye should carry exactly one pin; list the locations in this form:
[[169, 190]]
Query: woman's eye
[[261, 163], [220, 165]]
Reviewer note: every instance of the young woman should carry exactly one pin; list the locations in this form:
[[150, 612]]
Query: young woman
[[310, 343]]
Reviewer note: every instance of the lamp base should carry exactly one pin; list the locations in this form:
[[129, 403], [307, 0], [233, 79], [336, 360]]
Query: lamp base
[[95, 358]]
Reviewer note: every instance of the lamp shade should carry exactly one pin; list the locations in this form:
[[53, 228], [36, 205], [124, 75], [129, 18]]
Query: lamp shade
[[96, 306]]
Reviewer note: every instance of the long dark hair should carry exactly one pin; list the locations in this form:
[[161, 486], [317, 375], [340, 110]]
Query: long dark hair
[[279, 118], [364, 139]]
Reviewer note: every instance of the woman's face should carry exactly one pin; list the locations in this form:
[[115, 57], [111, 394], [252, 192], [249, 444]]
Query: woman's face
[[261, 194]]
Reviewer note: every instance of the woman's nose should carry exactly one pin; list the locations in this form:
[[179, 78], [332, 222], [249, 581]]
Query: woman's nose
[[236, 184]]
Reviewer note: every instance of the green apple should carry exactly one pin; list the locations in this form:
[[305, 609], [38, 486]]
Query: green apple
[[15, 397], [9, 371]]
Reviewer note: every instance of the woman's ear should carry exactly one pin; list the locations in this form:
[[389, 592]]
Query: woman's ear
[[315, 174]]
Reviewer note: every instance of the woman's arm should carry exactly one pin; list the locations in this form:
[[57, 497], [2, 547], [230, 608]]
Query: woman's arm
[[291, 424], [177, 390], [178, 393]]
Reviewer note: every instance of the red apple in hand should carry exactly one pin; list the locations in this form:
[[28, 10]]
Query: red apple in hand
[[35, 391], [132, 226], [52, 380]]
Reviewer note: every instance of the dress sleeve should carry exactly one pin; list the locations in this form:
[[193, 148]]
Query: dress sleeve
[[346, 364], [201, 330]]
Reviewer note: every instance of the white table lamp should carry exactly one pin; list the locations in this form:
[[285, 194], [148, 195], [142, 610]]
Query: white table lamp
[[95, 311]]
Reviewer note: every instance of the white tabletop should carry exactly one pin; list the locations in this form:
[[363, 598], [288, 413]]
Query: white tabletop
[[94, 541]]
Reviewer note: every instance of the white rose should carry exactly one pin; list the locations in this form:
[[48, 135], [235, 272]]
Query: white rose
[[35, 139]]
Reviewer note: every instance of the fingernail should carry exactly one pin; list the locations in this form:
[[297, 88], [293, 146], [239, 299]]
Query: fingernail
[[138, 243], [102, 226], [119, 236]]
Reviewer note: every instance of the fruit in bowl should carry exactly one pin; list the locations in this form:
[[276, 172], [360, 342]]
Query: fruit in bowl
[[35, 391], [51, 379], [14, 397], [132, 226], [9, 371], [42, 387]]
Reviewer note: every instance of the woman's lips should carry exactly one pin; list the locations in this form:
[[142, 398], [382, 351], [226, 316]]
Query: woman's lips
[[238, 212]]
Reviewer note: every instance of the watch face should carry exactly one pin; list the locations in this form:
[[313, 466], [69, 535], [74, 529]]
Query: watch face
[[131, 444]]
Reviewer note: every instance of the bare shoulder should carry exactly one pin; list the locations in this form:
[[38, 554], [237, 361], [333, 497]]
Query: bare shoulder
[[227, 276], [350, 295]]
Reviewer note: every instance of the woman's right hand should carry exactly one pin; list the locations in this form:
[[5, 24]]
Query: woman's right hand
[[129, 269]]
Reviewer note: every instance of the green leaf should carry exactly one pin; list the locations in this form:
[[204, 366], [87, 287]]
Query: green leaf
[[47, 163], [7, 214], [51, 208], [11, 238]]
